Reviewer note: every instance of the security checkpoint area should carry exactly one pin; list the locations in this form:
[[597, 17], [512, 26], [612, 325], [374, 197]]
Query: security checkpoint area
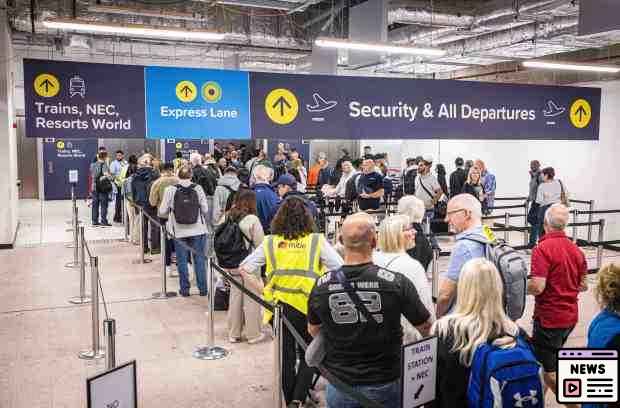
[[286, 203]]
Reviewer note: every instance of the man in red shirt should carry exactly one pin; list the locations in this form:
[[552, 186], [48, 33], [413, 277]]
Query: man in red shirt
[[558, 274]]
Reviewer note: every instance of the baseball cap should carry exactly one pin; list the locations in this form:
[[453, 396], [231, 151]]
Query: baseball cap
[[286, 180], [230, 169], [427, 158]]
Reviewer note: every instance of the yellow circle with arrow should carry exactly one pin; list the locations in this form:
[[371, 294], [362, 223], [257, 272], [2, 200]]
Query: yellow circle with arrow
[[46, 85], [281, 106], [186, 91], [580, 113], [211, 92], [179, 145], [60, 145]]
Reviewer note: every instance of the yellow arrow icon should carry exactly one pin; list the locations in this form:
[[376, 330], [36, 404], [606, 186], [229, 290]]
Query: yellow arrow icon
[[281, 106], [580, 113], [46, 85], [186, 91], [60, 144]]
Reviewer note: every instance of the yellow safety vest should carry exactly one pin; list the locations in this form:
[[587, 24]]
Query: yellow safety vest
[[292, 267]]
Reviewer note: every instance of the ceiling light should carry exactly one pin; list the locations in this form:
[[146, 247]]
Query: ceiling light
[[266, 4], [377, 47], [132, 30], [571, 66]]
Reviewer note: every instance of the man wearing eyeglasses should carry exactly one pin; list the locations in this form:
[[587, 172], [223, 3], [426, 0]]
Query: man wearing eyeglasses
[[464, 215]]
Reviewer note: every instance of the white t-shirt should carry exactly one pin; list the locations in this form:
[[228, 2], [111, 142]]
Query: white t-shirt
[[431, 184], [413, 270]]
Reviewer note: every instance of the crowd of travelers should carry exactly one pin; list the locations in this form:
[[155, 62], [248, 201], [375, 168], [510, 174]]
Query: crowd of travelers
[[358, 299]]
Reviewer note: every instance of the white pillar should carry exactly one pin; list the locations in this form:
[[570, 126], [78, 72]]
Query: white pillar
[[8, 142]]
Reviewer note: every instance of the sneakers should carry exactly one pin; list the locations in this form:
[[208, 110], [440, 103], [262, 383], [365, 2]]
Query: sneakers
[[259, 339], [172, 272], [295, 404], [234, 339], [184, 294], [106, 224]]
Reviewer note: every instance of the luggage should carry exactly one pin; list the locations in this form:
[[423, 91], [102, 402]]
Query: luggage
[[505, 378], [186, 206], [229, 244]]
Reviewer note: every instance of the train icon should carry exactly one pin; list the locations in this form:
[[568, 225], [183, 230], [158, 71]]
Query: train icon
[[77, 86]]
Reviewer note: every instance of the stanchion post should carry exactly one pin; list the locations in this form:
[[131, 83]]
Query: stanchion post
[[79, 300], [125, 221], [210, 351], [277, 352], [526, 211], [164, 294], [601, 238], [506, 226], [76, 262], [575, 215], [142, 259], [435, 277], [591, 208], [109, 331], [96, 352]]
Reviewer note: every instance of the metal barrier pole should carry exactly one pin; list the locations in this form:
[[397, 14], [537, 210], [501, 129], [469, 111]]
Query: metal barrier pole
[[591, 208], [526, 211], [164, 294], [74, 216], [125, 221], [599, 249], [210, 351], [575, 215], [506, 226], [277, 352], [435, 277], [79, 300], [76, 262], [96, 352], [109, 331]]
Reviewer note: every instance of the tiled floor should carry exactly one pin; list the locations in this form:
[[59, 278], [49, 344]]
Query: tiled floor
[[41, 333]]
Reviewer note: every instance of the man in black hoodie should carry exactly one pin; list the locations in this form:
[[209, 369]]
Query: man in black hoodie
[[141, 189], [458, 177]]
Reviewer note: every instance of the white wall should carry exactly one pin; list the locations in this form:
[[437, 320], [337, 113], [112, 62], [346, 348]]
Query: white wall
[[588, 168], [8, 143]]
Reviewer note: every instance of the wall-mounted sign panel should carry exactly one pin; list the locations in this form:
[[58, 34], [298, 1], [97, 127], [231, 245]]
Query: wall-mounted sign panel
[[331, 107], [66, 99]]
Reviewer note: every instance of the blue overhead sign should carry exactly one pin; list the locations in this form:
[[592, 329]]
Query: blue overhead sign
[[197, 103], [73, 100], [288, 106]]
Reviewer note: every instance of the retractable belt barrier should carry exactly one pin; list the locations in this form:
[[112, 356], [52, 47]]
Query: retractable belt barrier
[[347, 389]]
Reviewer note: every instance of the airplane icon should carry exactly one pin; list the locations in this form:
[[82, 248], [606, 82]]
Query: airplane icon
[[553, 110], [320, 104]]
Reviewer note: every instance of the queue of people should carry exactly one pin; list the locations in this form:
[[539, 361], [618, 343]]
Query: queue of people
[[273, 249]]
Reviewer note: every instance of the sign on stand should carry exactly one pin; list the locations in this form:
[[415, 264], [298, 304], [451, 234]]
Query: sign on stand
[[115, 388], [419, 372]]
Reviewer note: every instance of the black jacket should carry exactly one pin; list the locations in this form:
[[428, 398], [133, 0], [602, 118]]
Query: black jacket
[[205, 179], [422, 252], [457, 181]]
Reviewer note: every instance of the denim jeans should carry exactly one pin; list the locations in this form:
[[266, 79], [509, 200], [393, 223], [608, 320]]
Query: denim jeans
[[388, 395], [100, 200], [198, 244]]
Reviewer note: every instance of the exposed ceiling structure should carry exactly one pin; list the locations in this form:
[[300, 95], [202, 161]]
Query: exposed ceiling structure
[[277, 35]]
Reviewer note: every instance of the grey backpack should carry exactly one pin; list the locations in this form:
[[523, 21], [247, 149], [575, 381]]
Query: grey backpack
[[513, 270]]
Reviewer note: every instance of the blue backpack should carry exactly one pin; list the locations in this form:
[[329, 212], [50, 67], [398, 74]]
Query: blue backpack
[[505, 378]]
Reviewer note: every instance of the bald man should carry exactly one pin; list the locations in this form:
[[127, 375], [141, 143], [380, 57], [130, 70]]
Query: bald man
[[358, 309], [558, 274]]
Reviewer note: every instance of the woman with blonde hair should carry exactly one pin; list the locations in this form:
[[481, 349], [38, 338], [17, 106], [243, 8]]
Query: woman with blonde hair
[[412, 207], [473, 184], [478, 318], [396, 236]]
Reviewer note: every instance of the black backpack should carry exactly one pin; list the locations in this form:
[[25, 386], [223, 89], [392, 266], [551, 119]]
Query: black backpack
[[351, 188], [141, 188], [229, 244], [186, 205], [102, 184], [409, 182]]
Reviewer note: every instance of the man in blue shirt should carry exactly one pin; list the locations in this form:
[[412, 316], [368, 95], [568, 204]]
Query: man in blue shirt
[[464, 214], [370, 187], [116, 168]]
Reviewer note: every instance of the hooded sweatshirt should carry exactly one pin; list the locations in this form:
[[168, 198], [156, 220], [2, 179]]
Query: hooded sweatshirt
[[141, 185], [221, 194]]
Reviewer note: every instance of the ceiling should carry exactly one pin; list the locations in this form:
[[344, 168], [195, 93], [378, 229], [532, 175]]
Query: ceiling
[[277, 35]]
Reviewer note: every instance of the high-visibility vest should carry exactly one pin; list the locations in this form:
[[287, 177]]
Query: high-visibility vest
[[292, 267]]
